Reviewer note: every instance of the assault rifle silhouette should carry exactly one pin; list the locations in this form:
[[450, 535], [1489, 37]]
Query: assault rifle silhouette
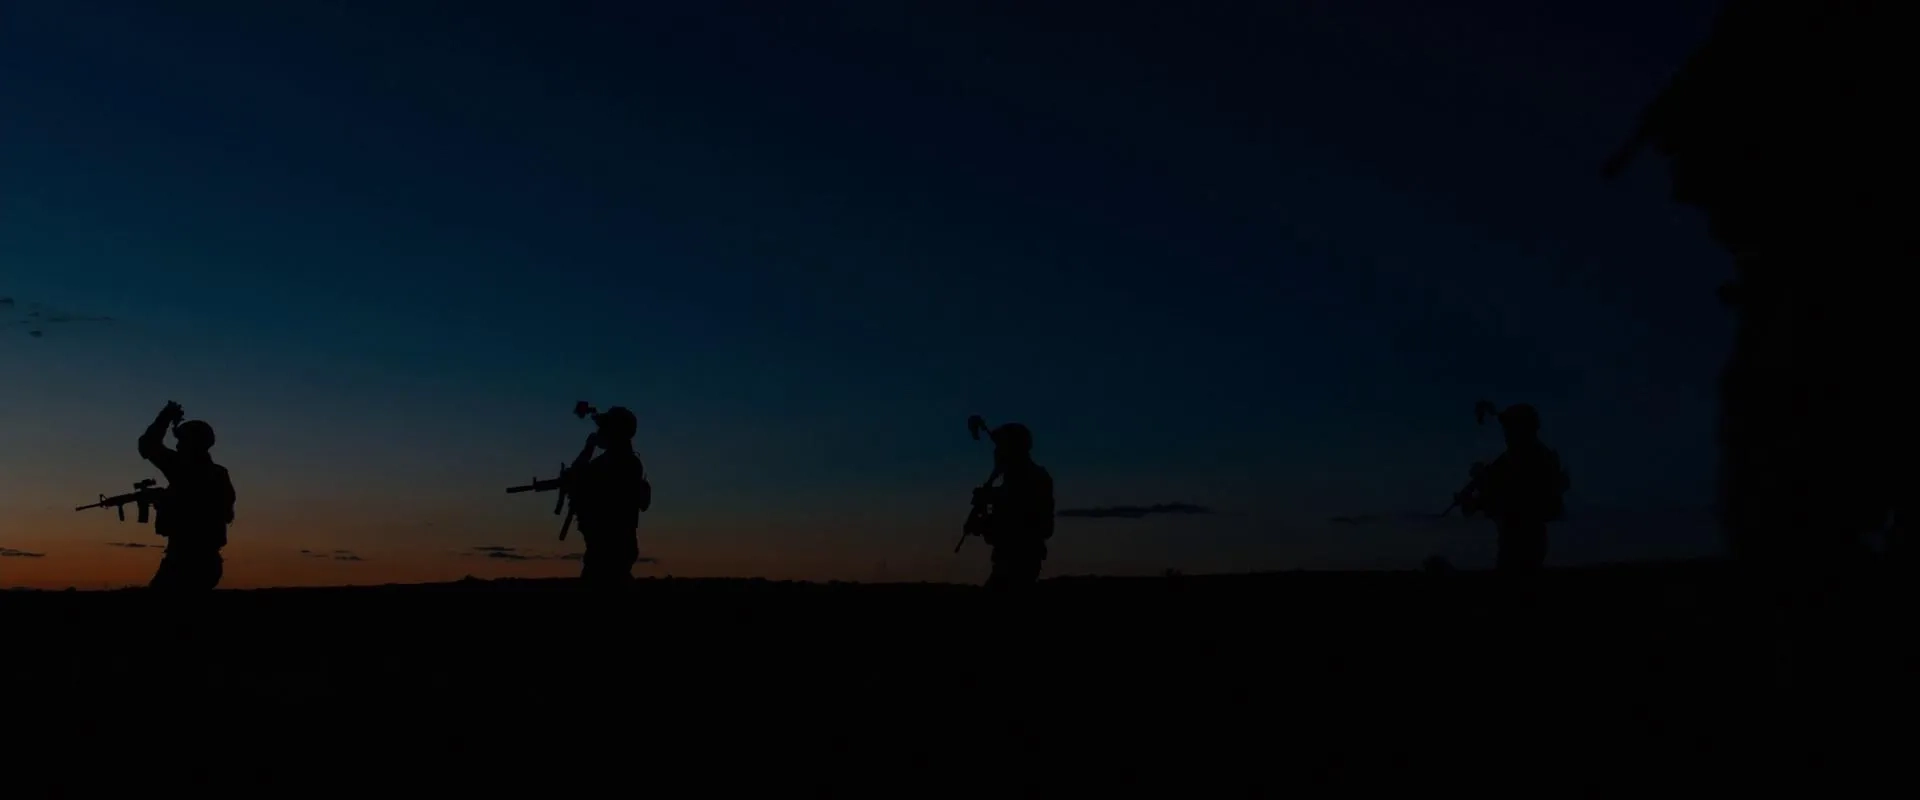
[[563, 501], [144, 496]]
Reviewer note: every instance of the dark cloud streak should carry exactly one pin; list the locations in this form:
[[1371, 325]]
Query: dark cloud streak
[[36, 318], [504, 553], [1133, 512], [332, 555]]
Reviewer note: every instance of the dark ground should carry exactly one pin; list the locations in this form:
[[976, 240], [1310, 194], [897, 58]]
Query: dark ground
[[1628, 679]]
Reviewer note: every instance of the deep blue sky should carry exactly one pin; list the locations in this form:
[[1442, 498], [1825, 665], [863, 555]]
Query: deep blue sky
[[1260, 256]]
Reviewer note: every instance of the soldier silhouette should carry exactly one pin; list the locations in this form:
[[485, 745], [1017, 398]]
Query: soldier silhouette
[[197, 506], [1021, 518], [609, 493], [1816, 417], [1520, 491]]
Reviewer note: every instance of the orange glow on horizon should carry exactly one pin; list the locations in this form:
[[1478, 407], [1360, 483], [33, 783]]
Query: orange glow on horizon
[[94, 551]]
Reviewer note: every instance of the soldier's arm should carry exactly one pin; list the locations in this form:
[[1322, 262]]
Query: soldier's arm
[[581, 471], [153, 446], [581, 479], [1044, 514], [1488, 489], [226, 482], [1025, 498], [1469, 500]]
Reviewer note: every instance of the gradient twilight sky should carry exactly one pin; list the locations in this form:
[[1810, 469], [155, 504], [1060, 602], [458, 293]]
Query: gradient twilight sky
[[1262, 257]]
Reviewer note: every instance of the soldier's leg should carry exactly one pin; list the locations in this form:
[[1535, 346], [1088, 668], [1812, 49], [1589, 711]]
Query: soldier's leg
[[1013, 569], [594, 568], [1534, 534], [998, 578], [188, 571], [209, 572], [1522, 552], [167, 576], [176, 573], [1011, 575], [609, 559], [1522, 546]]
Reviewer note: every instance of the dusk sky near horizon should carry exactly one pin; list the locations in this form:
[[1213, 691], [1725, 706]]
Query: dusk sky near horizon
[[1259, 257]]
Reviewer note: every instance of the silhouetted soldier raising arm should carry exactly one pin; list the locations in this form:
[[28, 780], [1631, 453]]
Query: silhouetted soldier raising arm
[[197, 506], [609, 493], [1021, 520], [1521, 491]]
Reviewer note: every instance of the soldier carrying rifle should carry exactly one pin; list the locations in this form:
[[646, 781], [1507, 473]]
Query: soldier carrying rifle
[[1521, 491], [605, 494], [197, 506], [1015, 518]]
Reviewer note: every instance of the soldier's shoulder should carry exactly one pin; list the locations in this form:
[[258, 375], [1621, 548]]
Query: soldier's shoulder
[[618, 462], [1027, 474]]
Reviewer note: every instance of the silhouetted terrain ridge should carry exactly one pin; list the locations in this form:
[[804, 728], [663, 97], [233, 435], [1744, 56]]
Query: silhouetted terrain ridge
[[1281, 681]]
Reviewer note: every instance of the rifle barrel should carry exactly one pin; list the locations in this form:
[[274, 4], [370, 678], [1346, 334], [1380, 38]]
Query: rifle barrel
[[536, 486], [109, 502]]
